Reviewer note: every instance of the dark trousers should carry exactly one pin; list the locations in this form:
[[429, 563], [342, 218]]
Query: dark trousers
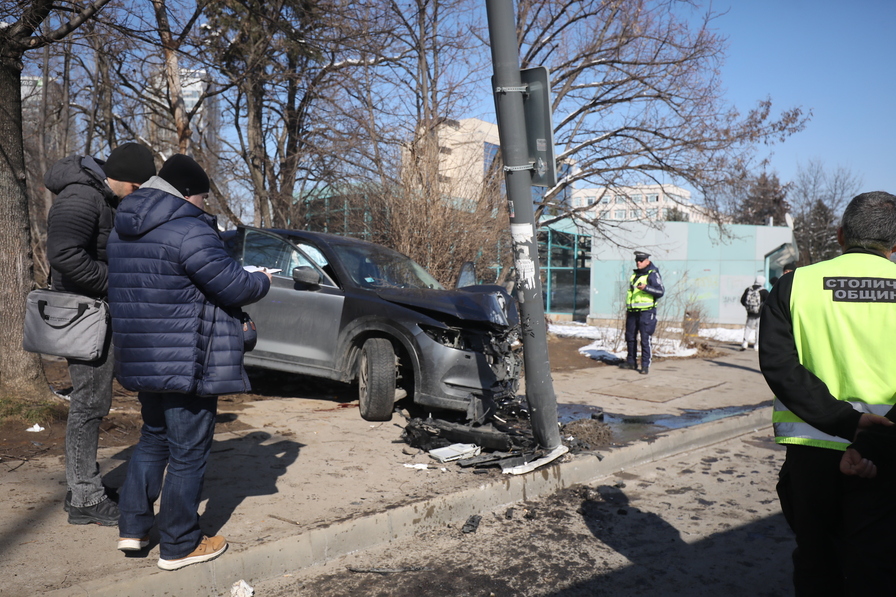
[[844, 526], [177, 433], [91, 399], [643, 323]]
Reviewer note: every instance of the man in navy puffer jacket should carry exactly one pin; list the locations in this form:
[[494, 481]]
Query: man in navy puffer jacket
[[175, 294]]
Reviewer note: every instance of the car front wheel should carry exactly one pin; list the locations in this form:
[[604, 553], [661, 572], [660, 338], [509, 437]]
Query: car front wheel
[[376, 380]]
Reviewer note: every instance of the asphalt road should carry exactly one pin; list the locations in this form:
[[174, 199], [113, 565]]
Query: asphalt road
[[706, 522]]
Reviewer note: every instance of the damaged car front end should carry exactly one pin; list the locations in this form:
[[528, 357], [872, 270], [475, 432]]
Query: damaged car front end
[[472, 352], [357, 312]]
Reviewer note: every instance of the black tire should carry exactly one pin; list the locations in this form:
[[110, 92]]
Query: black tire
[[376, 380]]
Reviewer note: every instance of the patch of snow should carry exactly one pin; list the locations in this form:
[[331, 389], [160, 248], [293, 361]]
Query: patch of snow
[[607, 343]]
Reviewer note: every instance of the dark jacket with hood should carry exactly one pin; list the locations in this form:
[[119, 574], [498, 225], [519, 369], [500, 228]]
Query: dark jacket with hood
[[175, 294], [78, 225]]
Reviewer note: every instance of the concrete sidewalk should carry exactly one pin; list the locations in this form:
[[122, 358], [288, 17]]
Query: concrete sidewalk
[[308, 480]]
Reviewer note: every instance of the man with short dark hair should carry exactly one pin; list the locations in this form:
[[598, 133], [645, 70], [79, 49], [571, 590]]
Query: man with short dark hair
[[175, 296], [825, 354], [78, 226], [644, 289]]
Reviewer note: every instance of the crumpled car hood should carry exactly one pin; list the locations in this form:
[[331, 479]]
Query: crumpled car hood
[[487, 304]]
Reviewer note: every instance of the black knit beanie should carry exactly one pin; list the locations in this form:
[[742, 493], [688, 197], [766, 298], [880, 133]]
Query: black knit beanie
[[184, 174], [130, 162]]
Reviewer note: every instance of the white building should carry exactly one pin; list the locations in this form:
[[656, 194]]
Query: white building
[[640, 202], [467, 149]]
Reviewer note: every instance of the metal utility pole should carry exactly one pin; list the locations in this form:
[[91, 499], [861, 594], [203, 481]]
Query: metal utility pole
[[518, 170]]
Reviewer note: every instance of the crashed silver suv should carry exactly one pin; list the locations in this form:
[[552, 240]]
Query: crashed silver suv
[[357, 312]]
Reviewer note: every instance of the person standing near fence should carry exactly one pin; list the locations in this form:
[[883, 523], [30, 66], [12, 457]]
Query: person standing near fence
[[753, 299], [78, 226], [644, 289]]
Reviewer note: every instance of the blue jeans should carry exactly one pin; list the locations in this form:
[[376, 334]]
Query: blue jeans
[[91, 399], [177, 433]]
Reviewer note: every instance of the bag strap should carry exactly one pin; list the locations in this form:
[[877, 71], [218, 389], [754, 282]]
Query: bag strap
[[82, 308]]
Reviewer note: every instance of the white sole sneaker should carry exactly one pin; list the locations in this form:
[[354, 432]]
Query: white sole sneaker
[[208, 549], [128, 544]]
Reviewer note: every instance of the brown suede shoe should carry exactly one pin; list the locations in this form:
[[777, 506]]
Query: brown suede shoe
[[208, 549]]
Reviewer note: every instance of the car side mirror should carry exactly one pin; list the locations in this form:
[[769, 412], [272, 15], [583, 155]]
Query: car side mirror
[[466, 276], [305, 275]]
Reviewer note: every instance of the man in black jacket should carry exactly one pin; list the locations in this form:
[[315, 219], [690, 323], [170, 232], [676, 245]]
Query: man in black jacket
[[78, 227], [826, 330]]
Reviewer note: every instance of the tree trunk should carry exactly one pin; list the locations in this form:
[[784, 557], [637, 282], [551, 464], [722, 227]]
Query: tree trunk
[[257, 158], [172, 75], [21, 373]]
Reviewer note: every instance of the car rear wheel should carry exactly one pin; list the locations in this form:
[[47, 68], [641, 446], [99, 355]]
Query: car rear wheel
[[376, 380]]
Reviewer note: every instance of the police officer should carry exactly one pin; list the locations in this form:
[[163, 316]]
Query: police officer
[[826, 330], [645, 287]]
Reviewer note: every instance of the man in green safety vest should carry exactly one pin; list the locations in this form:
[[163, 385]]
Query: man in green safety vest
[[825, 353], [645, 287]]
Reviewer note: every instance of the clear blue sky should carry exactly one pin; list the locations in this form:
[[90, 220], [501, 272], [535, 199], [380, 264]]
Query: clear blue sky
[[837, 58]]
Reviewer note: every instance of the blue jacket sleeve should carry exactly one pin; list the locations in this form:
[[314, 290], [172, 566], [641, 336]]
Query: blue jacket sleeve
[[216, 273], [655, 284]]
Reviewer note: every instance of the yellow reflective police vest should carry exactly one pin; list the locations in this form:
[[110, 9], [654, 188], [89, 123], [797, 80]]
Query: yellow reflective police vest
[[844, 320], [636, 299]]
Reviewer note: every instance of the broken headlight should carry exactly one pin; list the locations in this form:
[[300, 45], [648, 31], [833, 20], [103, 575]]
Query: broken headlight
[[450, 337]]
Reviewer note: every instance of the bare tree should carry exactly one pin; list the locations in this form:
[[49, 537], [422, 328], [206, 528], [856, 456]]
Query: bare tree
[[287, 62], [637, 95], [818, 197], [23, 26], [411, 97]]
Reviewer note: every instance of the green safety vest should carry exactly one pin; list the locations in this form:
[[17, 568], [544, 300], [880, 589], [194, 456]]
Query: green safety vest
[[639, 300], [843, 326]]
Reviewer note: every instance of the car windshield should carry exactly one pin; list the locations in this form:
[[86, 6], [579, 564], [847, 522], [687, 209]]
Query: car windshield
[[373, 266]]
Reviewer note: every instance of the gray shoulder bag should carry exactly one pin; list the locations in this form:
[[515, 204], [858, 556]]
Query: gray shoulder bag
[[64, 324]]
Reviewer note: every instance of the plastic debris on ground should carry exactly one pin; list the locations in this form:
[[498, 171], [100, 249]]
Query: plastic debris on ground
[[505, 439], [35, 428], [530, 466], [472, 524], [241, 589], [455, 452], [419, 466]]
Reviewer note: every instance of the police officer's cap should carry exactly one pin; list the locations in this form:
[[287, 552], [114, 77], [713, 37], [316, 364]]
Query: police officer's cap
[[641, 256]]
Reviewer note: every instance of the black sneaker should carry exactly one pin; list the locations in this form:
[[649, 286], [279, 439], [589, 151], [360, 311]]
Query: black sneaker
[[628, 366], [105, 514], [111, 493], [644, 370]]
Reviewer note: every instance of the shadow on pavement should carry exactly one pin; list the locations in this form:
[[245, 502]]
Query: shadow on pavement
[[733, 366], [243, 467], [238, 468], [751, 560]]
